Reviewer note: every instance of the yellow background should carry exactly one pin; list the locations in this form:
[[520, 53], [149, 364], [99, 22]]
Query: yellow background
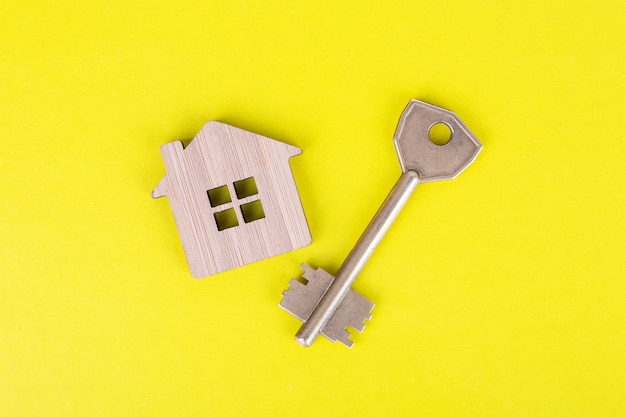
[[500, 293]]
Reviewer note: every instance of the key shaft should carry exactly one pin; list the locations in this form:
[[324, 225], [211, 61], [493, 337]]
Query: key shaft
[[358, 257]]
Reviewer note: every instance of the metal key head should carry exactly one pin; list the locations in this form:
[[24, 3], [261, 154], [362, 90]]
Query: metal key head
[[416, 150]]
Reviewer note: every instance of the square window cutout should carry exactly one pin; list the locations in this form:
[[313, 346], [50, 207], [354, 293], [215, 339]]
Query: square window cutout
[[226, 219], [219, 196], [252, 211], [245, 188]]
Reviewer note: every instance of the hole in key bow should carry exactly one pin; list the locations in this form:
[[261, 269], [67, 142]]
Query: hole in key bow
[[440, 133]]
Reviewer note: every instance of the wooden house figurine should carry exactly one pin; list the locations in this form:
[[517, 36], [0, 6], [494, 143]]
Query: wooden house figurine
[[234, 198]]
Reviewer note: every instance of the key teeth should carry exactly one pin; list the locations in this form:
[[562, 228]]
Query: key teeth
[[292, 283], [316, 274], [353, 311], [290, 303], [301, 299], [306, 268], [345, 339]]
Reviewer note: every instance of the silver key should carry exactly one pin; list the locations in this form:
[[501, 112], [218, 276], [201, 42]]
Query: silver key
[[327, 304]]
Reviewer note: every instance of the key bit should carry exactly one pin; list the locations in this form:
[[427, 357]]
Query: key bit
[[303, 298], [327, 304]]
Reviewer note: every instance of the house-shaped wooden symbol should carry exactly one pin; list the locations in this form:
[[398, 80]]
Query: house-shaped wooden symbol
[[233, 197]]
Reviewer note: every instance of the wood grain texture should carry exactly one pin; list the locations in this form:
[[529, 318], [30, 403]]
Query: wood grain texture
[[221, 155]]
